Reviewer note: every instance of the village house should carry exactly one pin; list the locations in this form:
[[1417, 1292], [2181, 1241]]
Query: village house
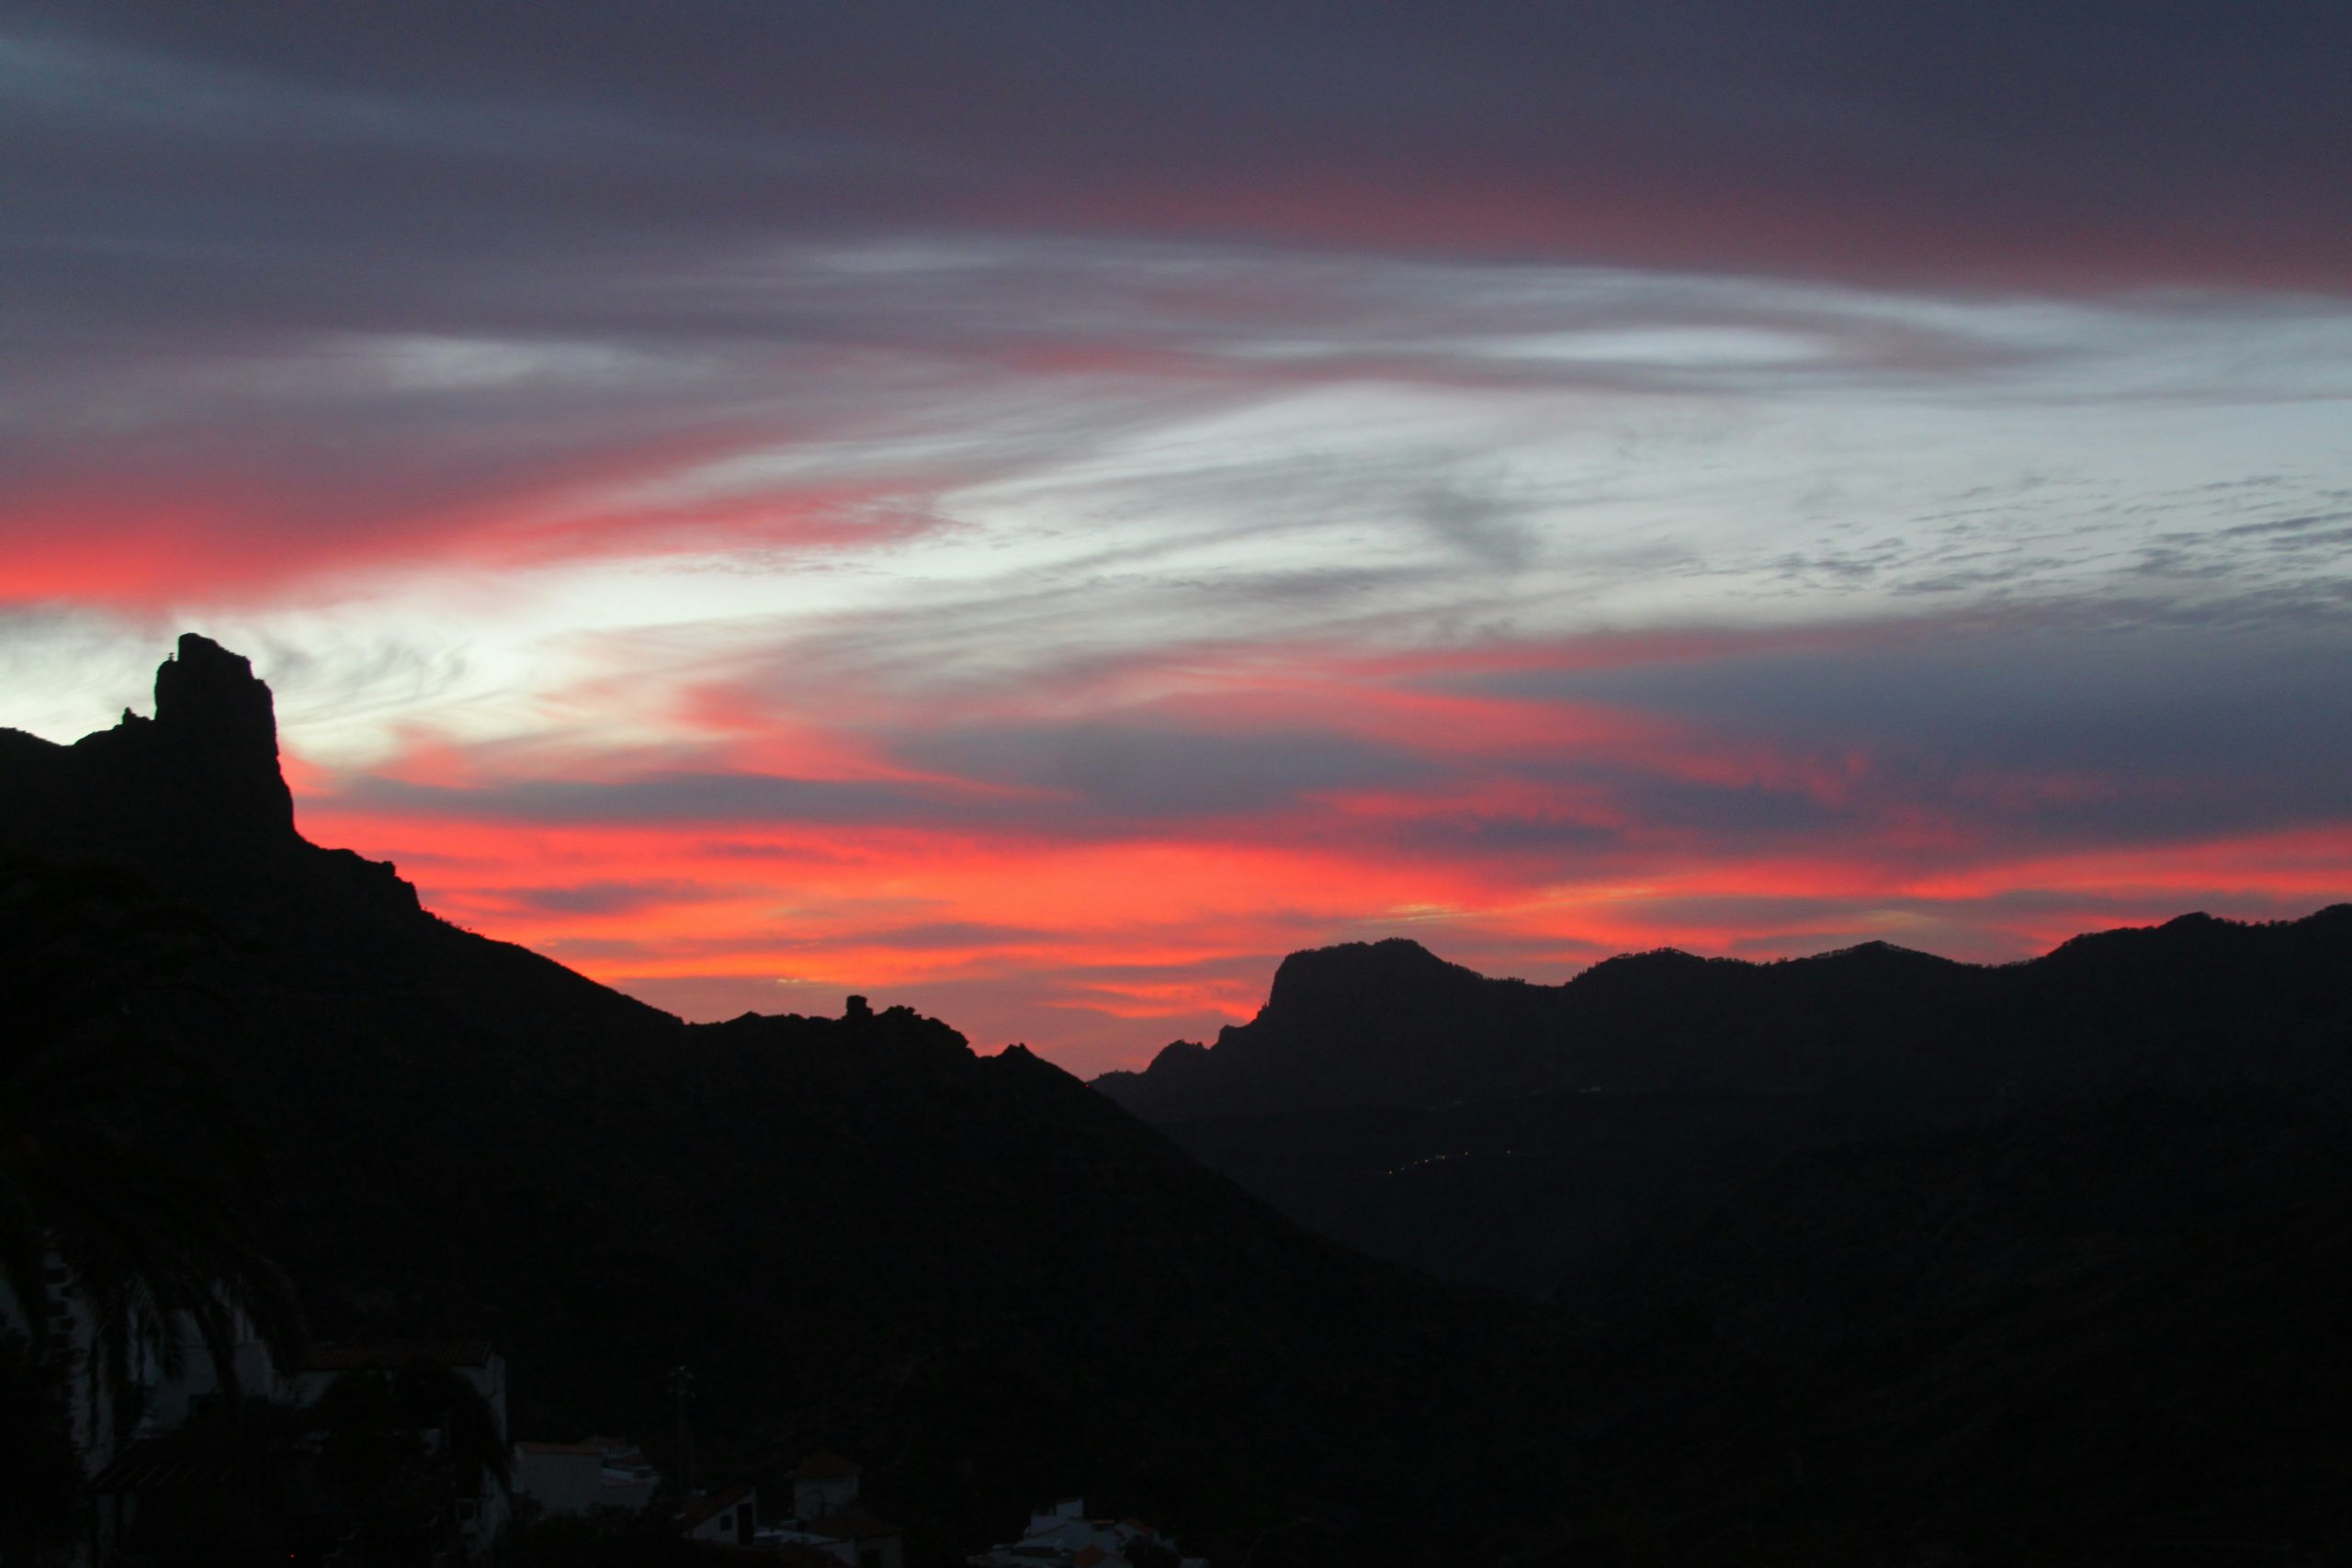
[[121, 1459], [595, 1475], [726, 1519], [854, 1537], [824, 1482], [1060, 1534], [826, 1518], [164, 1400], [123, 1464]]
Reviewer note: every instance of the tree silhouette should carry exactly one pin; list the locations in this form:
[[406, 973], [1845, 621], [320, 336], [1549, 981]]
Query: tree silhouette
[[122, 1159], [399, 1444]]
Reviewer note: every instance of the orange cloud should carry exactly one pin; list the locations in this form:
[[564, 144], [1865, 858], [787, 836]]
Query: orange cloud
[[1163, 931]]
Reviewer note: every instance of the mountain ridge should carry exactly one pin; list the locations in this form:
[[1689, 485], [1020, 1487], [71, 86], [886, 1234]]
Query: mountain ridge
[[1391, 1023], [1505, 1133]]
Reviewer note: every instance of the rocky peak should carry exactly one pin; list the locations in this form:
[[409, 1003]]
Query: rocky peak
[[209, 697], [214, 742], [1356, 974]]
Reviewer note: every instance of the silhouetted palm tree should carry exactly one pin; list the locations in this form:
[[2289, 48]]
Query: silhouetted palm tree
[[121, 1160], [401, 1444]]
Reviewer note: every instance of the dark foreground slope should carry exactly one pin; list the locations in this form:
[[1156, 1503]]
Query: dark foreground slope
[[1500, 1131], [2110, 1332], [977, 1274], [1905, 1261]]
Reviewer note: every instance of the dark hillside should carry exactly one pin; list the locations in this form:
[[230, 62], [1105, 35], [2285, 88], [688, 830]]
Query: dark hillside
[[1511, 1192], [2107, 1333]]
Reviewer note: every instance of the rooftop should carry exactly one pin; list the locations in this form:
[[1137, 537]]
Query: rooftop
[[710, 1505]]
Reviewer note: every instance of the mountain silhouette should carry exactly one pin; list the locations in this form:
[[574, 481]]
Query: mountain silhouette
[[1500, 1131], [2198, 1000], [987, 1280]]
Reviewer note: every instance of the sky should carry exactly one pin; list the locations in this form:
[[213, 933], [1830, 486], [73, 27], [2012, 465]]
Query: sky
[[1034, 511]]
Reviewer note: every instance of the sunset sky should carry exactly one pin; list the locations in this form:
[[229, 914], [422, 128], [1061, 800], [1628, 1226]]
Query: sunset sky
[[1036, 510]]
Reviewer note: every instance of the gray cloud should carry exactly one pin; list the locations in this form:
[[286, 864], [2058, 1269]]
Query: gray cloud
[[1073, 780], [372, 281], [2036, 737], [1129, 771], [658, 797], [2161, 139]]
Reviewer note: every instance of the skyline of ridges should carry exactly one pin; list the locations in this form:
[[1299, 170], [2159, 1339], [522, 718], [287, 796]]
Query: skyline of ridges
[[707, 907], [1050, 509]]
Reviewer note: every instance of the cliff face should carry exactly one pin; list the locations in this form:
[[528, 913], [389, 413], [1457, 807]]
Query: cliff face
[[215, 736]]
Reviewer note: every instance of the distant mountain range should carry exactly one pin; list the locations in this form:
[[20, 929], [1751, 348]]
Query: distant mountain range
[[1500, 1132], [2190, 1004], [1865, 1258]]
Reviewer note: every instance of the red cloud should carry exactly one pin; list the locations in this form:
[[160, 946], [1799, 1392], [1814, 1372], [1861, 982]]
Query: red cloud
[[139, 529], [1058, 929]]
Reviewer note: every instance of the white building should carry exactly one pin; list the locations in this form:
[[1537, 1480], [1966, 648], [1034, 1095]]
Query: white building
[[593, 1476], [856, 1537], [730, 1517], [826, 1518], [1060, 1534], [169, 1401], [160, 1400], [557, 1480], [824, 1482], [164, 1399]]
